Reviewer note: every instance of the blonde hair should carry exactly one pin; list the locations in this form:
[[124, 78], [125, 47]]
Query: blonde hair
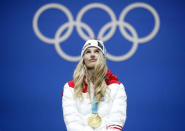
[[98, 78]]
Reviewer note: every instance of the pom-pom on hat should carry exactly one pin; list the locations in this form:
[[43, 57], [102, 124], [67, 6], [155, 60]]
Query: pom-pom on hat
[[94, 43]]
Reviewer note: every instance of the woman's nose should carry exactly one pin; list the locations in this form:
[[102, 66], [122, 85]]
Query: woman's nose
[[92, 54]]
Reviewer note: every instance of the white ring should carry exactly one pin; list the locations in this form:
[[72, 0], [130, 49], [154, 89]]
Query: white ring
[[91, 6], [132, 50], [57, 42], [40, 11], [156, 17]]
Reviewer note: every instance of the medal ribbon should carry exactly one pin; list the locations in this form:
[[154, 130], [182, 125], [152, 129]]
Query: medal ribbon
[[94, 106]]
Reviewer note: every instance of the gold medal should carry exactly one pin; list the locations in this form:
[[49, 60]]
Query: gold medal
[[94, 121]]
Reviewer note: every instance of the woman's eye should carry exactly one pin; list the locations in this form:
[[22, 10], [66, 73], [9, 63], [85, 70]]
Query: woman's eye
[[88, 52], [97, 51]]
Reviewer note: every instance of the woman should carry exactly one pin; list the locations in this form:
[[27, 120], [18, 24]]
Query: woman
[[94, 100]]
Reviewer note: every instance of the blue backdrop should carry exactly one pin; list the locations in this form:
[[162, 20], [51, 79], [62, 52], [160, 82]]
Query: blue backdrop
[[33, 67]]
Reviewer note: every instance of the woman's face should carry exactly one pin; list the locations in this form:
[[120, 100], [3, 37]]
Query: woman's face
[[90, 57]]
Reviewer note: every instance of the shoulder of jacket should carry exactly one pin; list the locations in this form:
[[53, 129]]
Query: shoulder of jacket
[[68, 86], [71, 84], [116, 85], [113, 82], [117, 89]]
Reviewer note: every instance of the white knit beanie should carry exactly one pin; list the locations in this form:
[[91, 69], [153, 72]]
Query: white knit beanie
[[95, 43]]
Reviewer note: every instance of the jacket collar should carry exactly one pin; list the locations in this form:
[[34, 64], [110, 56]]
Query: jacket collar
[[111, 78]]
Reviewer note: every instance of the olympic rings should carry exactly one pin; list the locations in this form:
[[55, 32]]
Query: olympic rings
[[58, 39]]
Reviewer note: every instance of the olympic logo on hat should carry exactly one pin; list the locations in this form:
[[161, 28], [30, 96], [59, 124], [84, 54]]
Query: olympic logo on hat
[[121, 23]]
